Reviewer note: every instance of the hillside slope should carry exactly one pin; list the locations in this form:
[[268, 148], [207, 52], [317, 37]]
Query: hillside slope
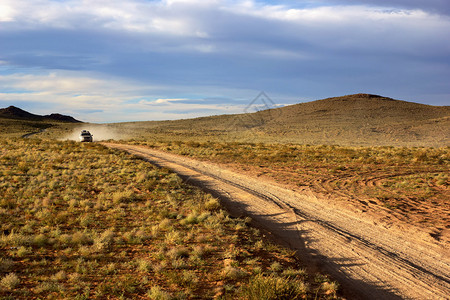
[[363, 119], [355, 120], [16, 122], [16, 113]]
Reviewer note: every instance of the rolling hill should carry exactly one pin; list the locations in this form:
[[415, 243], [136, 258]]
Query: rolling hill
[[16, 122], [354, 120]]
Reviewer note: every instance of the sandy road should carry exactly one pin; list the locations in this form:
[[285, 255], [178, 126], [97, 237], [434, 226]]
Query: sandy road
[[370, 261]]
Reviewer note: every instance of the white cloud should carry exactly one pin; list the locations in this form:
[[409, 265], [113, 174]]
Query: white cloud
[[204, 24], [7, 12], [69, 90], [133, 16], [67, 83], [109, 99], [161, 101]]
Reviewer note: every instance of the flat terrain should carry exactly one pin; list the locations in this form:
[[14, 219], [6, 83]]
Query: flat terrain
[[367, 258]]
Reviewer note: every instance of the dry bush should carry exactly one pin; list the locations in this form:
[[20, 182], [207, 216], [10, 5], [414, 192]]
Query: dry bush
[[6, 265], [10, 281], [124, 196], [157, 293], [230, 272], [272, 287]]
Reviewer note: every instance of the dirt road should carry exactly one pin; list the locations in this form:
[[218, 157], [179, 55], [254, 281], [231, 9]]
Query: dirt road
[[370, 261], [28, 135]]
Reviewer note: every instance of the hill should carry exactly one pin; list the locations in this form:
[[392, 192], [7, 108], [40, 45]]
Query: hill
[[13, 112], [16, 122], [354, 120]]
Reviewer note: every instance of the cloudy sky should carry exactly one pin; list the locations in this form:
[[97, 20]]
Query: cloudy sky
[[121, 60]]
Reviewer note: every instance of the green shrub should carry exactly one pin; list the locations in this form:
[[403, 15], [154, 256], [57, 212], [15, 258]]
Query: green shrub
[[23, 251]]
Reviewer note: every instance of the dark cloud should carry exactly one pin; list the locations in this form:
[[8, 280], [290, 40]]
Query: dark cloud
[[203, 52], [434, 6]]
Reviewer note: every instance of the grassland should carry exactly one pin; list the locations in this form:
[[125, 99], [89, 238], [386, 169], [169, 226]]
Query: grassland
[[17, 128], [80, 221], [377, 154]]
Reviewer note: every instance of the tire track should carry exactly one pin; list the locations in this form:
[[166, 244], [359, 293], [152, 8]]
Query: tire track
[[430, 280], [284, 205]]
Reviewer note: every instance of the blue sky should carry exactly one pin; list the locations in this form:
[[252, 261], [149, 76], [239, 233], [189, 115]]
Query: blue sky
[[122, 60]]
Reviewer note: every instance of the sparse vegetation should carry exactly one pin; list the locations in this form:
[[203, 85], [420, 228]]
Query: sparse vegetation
[[81, 221], [17, 128], [412, 182]]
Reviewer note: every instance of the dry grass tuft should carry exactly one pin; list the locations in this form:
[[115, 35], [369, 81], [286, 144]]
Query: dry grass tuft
[[10, 281]]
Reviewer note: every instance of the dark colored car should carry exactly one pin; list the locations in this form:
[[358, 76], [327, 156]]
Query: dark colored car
[[86, 136]]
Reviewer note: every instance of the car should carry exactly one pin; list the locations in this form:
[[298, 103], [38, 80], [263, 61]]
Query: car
[[86, 136]]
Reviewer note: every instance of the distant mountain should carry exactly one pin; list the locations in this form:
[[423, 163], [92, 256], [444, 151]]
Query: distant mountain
[[62, 118], [17, 113], [13, 112]]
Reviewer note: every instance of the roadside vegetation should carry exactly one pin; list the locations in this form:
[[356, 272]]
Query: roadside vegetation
[[412, 182], [16, 128], [79, 221]]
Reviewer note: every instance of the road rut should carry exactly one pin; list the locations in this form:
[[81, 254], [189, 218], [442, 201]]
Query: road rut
[[369, 261]]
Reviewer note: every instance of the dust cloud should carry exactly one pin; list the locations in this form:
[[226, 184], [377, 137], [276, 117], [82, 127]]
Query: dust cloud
[[99, 133]]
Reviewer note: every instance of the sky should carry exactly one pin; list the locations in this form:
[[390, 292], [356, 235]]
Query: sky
[[136, 60]]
